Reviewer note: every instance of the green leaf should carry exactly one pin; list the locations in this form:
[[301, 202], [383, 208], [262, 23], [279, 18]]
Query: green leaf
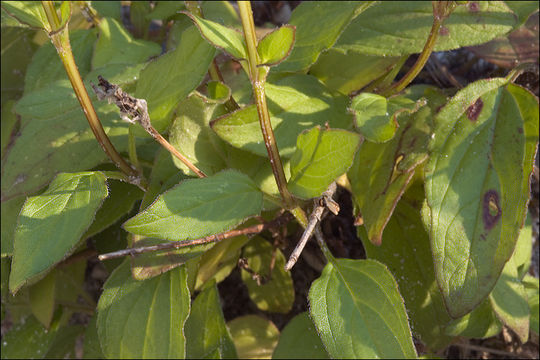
[[310, 39], [381, 172], [406, 251], [27, 13], [199, 207], [229, 40], [350, 71], [531, 287], [17, 50], [169, 79], [523, 250], [111, 9], [116, 46], [276, 46], [190, 134], [480, 323], [222, 12], [92, 347], [207, 336], [321, 156], [27, 340], [277, 294], [46, 57], [65, 342], [295, 103], [52, 223], [358, 311], [10, 212], [123, 197], [143, 319], [477, 186], [299, 340], [54, 141], [164, 10], [523, 9], [41, 296], [395, 28], [254, 336], [509, 301], [376, 117], [218, 262]]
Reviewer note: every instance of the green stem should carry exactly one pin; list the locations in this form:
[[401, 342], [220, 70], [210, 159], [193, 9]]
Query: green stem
[[258, 77], [132, 149], [441, 10], [60, 39]]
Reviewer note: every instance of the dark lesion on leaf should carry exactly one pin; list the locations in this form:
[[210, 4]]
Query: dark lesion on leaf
[[491, 209], [475, 109]]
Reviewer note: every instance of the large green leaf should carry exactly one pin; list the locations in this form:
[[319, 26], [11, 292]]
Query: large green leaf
[[358, 311], [277, 294], [10, 212], [299, 340], [116, 46], [321, 156], [406, 251], [55, 141], [480, 323], [350, 71], [169, 79], [229, 40], [52, 224], [381, 172], [199, 207], [207, 336], [295, 103], [143, 319], [311, 40], [395, 28], [477, 186], [46, 67], [254, 336], [41, 296]]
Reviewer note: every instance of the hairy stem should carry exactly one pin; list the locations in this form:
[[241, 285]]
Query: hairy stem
[[60, 39]]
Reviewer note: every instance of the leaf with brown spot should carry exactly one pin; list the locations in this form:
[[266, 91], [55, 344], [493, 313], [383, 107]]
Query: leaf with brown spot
[[477, 187]]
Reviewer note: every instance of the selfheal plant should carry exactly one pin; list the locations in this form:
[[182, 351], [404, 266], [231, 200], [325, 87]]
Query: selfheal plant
[[251, 135]]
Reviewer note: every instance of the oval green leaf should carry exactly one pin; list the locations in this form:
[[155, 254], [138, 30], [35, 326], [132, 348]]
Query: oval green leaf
[[229, 40], [477, 186], [321, 156], [143, 319], [254, 336], [53, 223], [199, 207], [359, 313], [276, 45]]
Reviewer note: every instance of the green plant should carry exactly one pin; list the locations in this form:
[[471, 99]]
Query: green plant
[[439, 178]]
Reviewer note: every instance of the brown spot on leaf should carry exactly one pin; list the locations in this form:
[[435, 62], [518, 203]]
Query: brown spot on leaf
[[475, 109], [473, 6], [520, 130], [491, 210], [444, 31]]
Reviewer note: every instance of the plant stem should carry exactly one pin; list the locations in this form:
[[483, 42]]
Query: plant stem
[[255, 229], [441, 10], [258, 78], [60, 39]]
